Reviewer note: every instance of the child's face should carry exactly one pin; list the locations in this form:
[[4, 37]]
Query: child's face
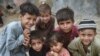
[[37, 44], [28, 20], [66, 25], [87, 36], [56, 47], [45, 17]]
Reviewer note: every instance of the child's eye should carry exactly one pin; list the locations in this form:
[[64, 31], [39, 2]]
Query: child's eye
[[89, 34], [83, 34], [34, 19], [28, 18], [33, 43], [39, 42], [67, 22], [61, 23]]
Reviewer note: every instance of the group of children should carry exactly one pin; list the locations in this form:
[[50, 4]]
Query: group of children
[[65, 40]]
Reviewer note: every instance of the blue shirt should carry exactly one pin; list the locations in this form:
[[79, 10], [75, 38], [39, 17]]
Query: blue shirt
[[11, 40]]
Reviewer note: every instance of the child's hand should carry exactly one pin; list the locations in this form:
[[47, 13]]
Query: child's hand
[[26, 37], [26, 42], [26, 33], [52, 53]]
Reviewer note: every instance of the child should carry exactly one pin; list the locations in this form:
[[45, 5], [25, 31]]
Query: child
[[87, 44], [15, 36], [37, 44], [56, 46], [45, 22], [65, 20]]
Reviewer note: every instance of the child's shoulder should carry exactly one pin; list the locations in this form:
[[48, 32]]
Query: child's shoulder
[[13, 25], [75, 27], [74, 42], [97, 41]]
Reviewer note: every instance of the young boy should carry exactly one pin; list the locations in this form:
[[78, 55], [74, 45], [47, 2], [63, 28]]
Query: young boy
[[15, 36], [37, 44], [65, 20], [45, 22], [87, 44]]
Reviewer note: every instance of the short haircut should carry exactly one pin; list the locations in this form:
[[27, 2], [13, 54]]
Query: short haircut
[[56, 37], [44, 8], [36, 35], [65, 14], [29, 8]]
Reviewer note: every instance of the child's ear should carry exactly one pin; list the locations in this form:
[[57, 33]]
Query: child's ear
[[95, 33]]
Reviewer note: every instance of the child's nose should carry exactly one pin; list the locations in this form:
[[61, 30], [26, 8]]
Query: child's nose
[[32, 22], [65, 25], [86, 37]]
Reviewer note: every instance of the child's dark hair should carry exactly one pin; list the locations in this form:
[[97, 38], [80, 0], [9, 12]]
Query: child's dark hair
[[29, 8], [56, 37], [65, 14], [36, 35], [44, 8]]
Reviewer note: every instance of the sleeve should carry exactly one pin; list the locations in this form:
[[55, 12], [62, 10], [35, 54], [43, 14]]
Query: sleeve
[[72, 47], [13, 41]]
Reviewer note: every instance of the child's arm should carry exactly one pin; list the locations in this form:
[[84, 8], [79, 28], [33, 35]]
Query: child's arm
[[12, 42], [26, 38]]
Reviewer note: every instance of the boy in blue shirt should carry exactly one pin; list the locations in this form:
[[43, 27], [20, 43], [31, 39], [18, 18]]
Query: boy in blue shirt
[[15, 36]]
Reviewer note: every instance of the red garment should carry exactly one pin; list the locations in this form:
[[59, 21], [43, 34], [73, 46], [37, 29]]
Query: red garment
[[68, 36]]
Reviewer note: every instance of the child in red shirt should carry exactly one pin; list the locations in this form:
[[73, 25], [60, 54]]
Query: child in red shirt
[[65, 20]]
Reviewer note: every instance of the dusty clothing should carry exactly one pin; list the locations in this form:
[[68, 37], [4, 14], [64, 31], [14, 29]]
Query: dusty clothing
[[68, 36], [77, 49]]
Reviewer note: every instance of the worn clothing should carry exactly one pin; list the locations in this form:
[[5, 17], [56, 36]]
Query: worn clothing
[[11, 40], [68, 36], [77, 49], [63, 52], [43, 52], [44, 28]]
